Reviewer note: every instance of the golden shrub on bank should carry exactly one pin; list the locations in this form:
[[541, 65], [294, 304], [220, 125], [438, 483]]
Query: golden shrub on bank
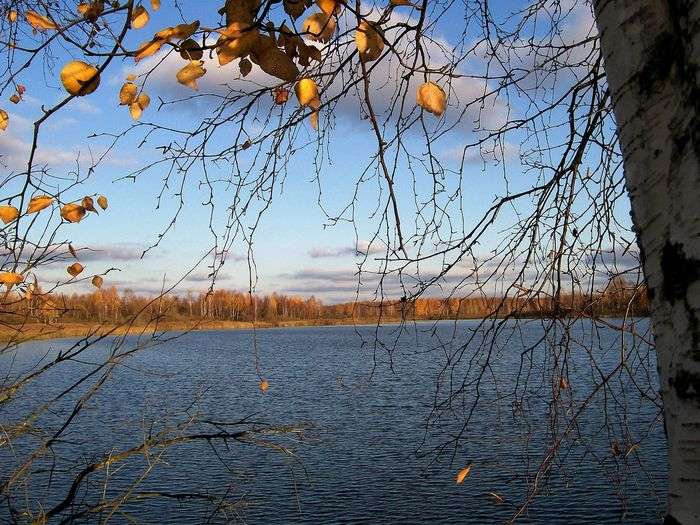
[[75, 269], [369, 41], [38, 203], [10, 278], [432, 98], [8, 213], [73, 212], [80, 78]]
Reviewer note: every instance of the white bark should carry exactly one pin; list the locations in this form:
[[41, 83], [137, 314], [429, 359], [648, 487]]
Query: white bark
[[652, 60]]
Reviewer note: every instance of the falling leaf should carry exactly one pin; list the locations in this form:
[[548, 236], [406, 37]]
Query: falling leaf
[[245, 66], [39, 22], [15, 99], [281, 95], [88, 204], [102, 201], [80, 78], [462, 474], [38, 203], [191, 50], [127, 94], [306, 91], [499, 499], [320, 27], [75, 269], [72, 251], [189, 74], [4, 120], [12, 15], [8, 213], [369, 41], [97, 281], [155, 5], [264, 385], [73, 212], [10, 278], [139, 17], [432, 98]]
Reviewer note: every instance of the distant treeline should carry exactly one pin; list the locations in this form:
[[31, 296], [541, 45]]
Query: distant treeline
[[108, 305]]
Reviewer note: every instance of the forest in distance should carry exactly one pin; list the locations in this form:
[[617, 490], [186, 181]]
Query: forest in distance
[[619, 298]]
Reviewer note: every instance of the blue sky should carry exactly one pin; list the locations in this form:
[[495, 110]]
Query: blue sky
[[296, 249]]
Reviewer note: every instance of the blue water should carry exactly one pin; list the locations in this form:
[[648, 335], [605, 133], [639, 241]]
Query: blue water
[[374, 451]]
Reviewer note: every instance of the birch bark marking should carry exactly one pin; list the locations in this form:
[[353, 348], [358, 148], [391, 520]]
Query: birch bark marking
[[652, 60]]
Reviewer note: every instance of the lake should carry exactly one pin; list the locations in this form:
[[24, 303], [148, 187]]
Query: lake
[[372, 452]]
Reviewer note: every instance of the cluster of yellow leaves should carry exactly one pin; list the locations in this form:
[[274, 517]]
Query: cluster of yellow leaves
[[432, 98], [129, 96], [80, 78]]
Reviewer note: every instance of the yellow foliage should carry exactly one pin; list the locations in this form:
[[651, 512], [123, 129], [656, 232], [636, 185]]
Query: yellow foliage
[[102, 201], [79, 78], [330, 7], [369, 41], [91, 10], [139, 17], [306, 91], [127, 94], [236, 41], [8, 213], [75, 269], [320, 27], [38, 203], [39, 22], [189, 74], [155, 5], [432, 98], [12, 15], [149, 48], [4, 120], [73, 212]]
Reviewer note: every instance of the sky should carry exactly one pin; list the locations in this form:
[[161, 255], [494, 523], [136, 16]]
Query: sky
[[297, 248]]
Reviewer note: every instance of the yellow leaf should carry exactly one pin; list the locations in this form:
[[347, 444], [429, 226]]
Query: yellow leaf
[[329, 7], [8, 213], [4, 120], [97, 281], [180, 32], [88, 204], [12, 15], [189, 74], [127, 94], [320, 27], [73, 212], [236, 41], [38, 203], [369, 41], [432, 98], [10, 278], [143, 101], [306, 90], [131, 77], [264, 385], [155, 5], [39, 22], [191, 50], [314, 104], [75, 269], [80, 78], [102, 201], [462, 474], [139, 17], [91, 10], [149, 48], [135, 110]]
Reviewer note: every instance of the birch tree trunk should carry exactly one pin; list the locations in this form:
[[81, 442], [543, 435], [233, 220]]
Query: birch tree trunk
[[652, 60]]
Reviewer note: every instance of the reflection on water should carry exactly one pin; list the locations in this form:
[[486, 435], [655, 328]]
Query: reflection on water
[[360, 465]]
